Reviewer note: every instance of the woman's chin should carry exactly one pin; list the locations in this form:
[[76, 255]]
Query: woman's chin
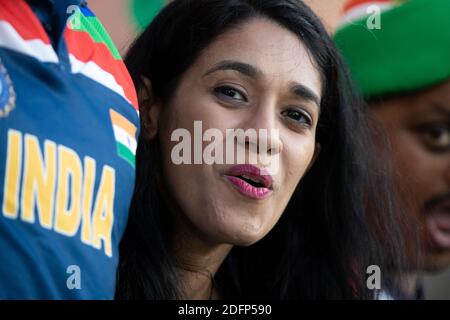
[[436, 262], [243, 236]]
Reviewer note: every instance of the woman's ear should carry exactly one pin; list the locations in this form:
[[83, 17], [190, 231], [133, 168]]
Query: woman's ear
[[150, 109], [315, 155]]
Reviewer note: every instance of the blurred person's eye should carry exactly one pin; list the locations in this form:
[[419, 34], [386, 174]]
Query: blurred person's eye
[[436, 137]]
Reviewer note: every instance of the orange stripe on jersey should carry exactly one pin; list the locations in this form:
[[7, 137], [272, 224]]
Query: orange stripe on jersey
[[119, 120]]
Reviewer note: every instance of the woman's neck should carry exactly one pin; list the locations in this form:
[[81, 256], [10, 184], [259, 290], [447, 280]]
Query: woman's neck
[[197, 270], [198, 261], [197, 258]]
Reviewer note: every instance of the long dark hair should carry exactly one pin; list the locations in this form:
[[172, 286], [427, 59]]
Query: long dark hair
[[342, 216]]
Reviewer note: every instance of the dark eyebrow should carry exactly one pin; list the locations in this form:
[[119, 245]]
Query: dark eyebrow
[[253, 72], [244, 68], [441, 110], [305, 93]]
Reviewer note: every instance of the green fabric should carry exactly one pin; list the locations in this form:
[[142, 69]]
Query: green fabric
[[96, 30], [126, 154], [144, 11], [411, 50]]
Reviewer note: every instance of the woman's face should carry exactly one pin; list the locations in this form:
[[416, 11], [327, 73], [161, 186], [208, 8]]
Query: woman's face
[[419, 129], [255, 76]]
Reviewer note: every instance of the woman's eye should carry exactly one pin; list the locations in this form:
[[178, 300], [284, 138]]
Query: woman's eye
[[227, 92], [297, 116], [437, 137]]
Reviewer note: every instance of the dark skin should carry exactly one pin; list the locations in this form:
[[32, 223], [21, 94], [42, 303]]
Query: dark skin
[[418, 127]]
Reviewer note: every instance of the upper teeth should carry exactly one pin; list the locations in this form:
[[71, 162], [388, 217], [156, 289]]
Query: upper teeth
[[248, 178]]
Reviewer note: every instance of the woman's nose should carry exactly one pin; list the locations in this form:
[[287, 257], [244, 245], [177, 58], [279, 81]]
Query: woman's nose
[[264, 122], [447, 173]]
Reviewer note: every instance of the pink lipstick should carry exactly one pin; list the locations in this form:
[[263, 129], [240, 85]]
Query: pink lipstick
[[250, 181], [438, 224]]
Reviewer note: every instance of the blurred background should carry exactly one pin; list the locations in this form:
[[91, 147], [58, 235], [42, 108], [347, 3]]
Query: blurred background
[[117, 17]]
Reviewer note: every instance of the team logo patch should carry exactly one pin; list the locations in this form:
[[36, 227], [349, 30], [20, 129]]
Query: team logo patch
[[7, 93]]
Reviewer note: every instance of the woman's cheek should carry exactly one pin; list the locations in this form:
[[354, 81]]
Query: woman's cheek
[[298, 157]]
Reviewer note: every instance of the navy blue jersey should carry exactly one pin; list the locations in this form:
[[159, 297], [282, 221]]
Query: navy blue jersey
[[68, 128]]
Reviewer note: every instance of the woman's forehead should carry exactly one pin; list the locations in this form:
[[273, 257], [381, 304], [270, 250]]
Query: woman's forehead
[[277, 52]]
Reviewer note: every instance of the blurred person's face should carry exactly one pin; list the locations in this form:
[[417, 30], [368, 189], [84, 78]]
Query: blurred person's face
[[256, 76], [418, 126]]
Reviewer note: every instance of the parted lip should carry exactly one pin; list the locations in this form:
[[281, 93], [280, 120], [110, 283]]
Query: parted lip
[[251, 172], [438, 221]]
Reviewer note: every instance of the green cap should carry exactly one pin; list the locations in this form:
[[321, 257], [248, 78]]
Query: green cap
[[410, 51]]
